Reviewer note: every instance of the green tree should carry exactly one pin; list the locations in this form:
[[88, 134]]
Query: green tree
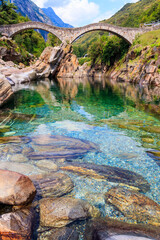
[[52, 40]]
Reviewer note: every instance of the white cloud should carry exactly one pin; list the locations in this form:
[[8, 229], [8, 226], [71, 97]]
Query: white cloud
[[78, 12], [40, 3], [103, 16]]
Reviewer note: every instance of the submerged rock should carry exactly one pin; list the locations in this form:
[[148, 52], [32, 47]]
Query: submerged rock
[[15, 188], [62, 211], [134, 205], [46, 164], [151, 129], [111, 229], [14, 139], [56, 147], [155, 155], [112, 174], [16, 225], [52, 185]]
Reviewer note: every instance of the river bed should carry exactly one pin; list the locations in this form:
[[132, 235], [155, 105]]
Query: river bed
[[121, 123]]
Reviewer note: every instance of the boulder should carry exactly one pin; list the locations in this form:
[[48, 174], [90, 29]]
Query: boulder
[[134, 205], [109, 173], [15, 188], [52, 185], [60, 212], [112, 229], [23, 76], [5, 90], [16, 225]]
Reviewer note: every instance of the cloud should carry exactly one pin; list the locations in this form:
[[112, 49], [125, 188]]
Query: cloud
[[78, 12], [104, 16]]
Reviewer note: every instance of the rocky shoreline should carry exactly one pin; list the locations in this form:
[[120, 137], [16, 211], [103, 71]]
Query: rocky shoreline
[[13, 74]]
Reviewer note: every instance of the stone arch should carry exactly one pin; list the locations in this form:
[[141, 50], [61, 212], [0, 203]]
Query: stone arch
[[17, 28], [104, 31], [128, 34]]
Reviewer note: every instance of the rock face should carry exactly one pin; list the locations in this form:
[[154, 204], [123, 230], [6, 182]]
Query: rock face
[[15, 188], [70, 68], [134, 205], [45, 66], [62, 211], [16, 225], [111, 229], [112, 174], [5, 90], [48, 61], [143, 71], [52, 185]]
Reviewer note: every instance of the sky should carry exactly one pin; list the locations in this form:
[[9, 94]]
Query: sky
[[82, 12]]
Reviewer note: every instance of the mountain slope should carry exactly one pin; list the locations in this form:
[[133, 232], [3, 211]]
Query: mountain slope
[[133, 14], [34, 13], [30, 9], [57, 21]]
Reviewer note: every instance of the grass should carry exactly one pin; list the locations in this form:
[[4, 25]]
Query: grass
[[149, 38]]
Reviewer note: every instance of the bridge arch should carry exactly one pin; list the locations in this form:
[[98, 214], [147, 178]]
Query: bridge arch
[[128, 34], [99, 29], [12, 30]]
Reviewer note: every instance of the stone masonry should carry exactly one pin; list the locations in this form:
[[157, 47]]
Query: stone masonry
[[71, 34]]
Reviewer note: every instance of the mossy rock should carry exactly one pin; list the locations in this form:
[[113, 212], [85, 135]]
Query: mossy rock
[[151, 129], [147, 140]]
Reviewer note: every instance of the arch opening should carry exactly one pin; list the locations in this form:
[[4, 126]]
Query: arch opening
[[99, 48]]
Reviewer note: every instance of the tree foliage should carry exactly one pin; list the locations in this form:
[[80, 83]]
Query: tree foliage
[[107, 50], [52, 40]]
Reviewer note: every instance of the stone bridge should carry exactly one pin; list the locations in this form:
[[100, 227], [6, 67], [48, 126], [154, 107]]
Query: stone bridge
[[71, 34]]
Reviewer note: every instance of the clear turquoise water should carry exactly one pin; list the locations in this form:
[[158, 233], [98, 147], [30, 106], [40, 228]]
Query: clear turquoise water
[[78, 109]]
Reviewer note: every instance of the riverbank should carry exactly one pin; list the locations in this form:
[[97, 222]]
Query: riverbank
[[13, 74]]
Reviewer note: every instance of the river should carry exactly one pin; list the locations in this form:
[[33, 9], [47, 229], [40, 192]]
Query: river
[[121, 121]]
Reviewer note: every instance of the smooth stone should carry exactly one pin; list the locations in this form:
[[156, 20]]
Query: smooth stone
[[64, 233], [18, 158], [52, 184], [16, 225], [46, 164], [23, 168], [15, 188], [105, 228], [55, 147], [111, 174], [8, 148], [62, 211], [134, 205]]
